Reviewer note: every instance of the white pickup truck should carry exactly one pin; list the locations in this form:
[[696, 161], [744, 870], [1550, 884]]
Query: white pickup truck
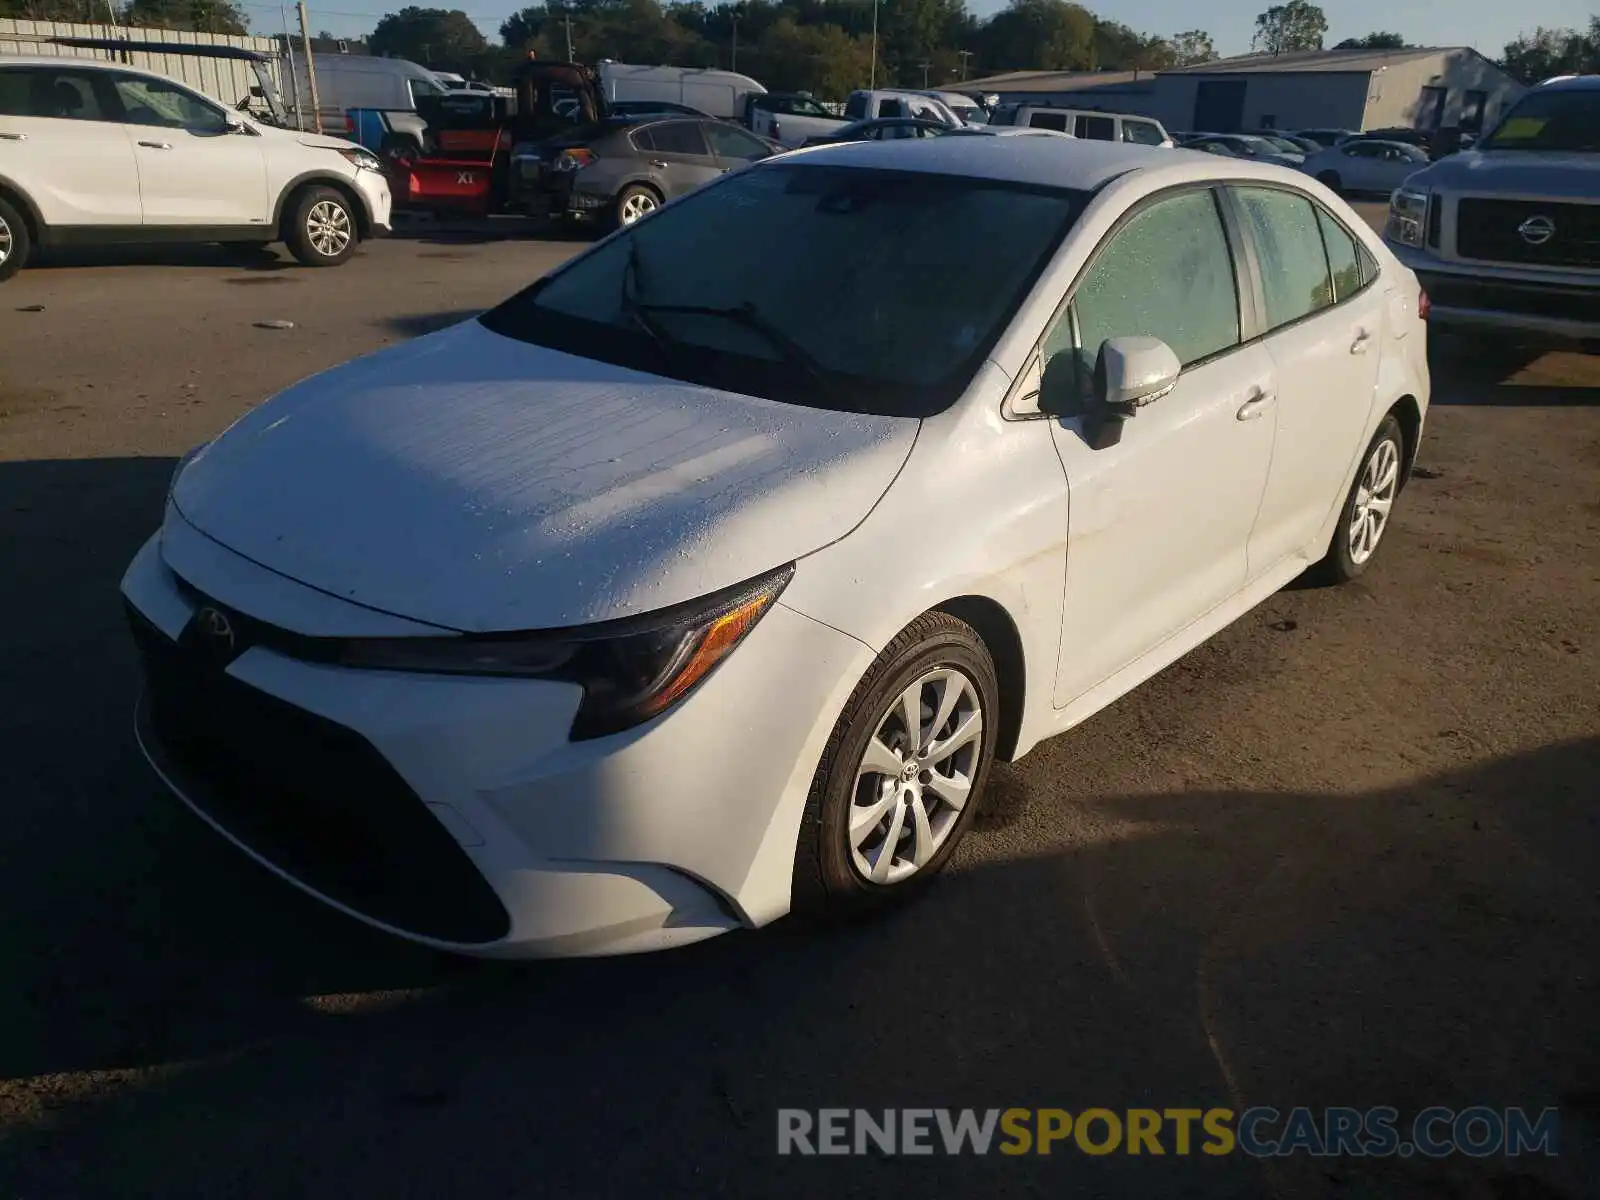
[[791, 119]]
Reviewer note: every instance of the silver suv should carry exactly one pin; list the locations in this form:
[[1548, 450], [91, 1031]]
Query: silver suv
[[1506, 236]]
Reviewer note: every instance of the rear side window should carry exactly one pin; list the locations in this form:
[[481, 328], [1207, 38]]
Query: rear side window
[[643, 139], [1097, 129], [855, 107], [1141, 133], [1344, 257], [1294, 265], [1056, 121], [890, 108], [51, 92], [678, 137]]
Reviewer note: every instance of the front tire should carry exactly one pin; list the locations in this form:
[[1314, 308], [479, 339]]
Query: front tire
[[322, 228], [15, 243], [902, 774], [634, 203], [1364, 518]]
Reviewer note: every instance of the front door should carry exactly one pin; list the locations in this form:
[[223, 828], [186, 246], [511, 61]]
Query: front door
[[60, 141], [1158, 523], [194, 169], [1325, 341], [680, 160]]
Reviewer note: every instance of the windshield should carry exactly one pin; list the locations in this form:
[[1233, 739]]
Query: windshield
[[1555, 120], [1283, 144], [886, 289]]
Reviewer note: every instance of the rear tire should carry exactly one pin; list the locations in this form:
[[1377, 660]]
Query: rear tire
[[322, 230], [634, 203], [15, 242], [1331, 181], [889, 803], [1368, 509]]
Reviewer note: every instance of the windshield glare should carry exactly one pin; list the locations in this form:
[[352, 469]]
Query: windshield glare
[[894, 285], [1558, 120]]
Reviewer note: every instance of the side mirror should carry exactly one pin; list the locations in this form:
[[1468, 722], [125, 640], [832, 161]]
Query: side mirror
[[1131, 372]]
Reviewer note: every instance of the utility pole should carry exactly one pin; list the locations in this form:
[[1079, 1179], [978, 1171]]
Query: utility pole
[[311, 67], [963, 55], [873, 83], [294, 78], [733, 64], [566, 19], [925, 64]]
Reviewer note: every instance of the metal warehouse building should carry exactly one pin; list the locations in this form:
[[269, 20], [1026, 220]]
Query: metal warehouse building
[[1422, 89]]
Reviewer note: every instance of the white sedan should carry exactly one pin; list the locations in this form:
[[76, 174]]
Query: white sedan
[[1365, 165], [672, 594]]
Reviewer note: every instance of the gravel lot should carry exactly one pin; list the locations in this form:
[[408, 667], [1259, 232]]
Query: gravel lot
[[1345, 853]]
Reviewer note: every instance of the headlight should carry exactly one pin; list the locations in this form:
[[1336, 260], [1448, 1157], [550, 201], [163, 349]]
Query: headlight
[[358, 156], [630, 670], [1408, 214]]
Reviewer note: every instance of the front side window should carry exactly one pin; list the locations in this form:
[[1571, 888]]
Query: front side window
[[799, 106], [1178, 241], [1288, 239], [891, 108], [728, 141], [935, 266], [423, 87], [856, 106], [1141, 133], [147, 101]]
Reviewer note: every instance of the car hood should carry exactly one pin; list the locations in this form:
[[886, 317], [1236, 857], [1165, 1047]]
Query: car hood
[[479, 483], [1515, 172]]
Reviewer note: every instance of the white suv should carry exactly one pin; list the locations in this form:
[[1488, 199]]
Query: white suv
[[95, 152]]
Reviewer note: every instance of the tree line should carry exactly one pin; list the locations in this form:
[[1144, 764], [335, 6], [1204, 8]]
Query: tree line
[[820, 46]]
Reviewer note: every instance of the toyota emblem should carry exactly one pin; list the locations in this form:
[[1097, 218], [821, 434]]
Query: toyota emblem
[[215, 630], [1536, 231]]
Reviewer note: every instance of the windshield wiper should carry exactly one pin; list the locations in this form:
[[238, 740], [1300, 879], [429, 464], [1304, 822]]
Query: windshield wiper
[[751, 317], [629, 300]]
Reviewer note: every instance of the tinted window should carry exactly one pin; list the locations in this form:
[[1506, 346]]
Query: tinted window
[[1564, 119], [643, 139], [147, 101], [1097, 129], [1056, 121], [890, 108], [1195, 310], [856, 106], [934, 267], [51, 92], [1141, 133], [1344, 257], [1363, 150], [678, 137], [1288, 239], [728, 141]]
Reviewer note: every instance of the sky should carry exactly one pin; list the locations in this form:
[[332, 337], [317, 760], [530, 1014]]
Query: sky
[[1486, 25]]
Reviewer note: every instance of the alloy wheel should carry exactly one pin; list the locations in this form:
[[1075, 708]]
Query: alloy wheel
[[916, 776], [328, 228], [639, 204], [5, 241], [1375, 493]]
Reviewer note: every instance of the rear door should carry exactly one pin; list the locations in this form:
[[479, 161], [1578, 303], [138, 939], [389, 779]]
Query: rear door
[[1095, 128], [194, 168], [1325, 320], [679, 157], [60, 143]]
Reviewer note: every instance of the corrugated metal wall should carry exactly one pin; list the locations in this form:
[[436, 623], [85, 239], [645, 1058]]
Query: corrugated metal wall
[[225, 80]]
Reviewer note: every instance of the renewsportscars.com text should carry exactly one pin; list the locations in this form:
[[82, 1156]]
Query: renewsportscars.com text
[[1261, 1132]]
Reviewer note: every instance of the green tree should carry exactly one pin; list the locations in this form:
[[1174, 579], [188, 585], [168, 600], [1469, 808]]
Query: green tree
[[1547, 52], [821, 59], [1375, 41], [1051, 35], [201, 16], [1294, 25], [1192, 46], [435, 37]]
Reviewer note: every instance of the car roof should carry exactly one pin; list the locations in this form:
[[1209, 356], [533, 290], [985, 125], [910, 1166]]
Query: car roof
[[1047, 161], [65, 60], [1570, 83]]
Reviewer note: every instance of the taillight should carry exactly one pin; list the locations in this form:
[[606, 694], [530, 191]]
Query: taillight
[[1424, 305], [575, 158], [774, 135]]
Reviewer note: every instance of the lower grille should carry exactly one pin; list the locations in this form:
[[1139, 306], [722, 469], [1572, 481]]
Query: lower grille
[[310, 796], [1528, 231], [1572, 304]]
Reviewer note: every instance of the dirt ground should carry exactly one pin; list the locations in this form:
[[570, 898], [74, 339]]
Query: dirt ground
[[1344, 853]]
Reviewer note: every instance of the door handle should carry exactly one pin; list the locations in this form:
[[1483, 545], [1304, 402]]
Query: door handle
[[157, 145], [1260, 400], [658, 164], [13, 137], [1362, 340]]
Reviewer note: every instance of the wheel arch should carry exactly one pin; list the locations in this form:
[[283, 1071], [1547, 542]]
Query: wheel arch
[[1408, 412], [999, 634], [19, 200], [300, 183]]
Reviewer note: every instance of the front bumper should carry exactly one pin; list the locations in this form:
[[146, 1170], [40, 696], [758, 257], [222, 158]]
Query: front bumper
[[374, 189], [453, 811], [1541, 305]]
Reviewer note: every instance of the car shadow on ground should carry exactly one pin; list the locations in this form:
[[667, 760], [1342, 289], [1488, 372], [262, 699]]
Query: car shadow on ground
[[478, 231], [179, 1022], [229, 258], [418, 324], [1507, 375]]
